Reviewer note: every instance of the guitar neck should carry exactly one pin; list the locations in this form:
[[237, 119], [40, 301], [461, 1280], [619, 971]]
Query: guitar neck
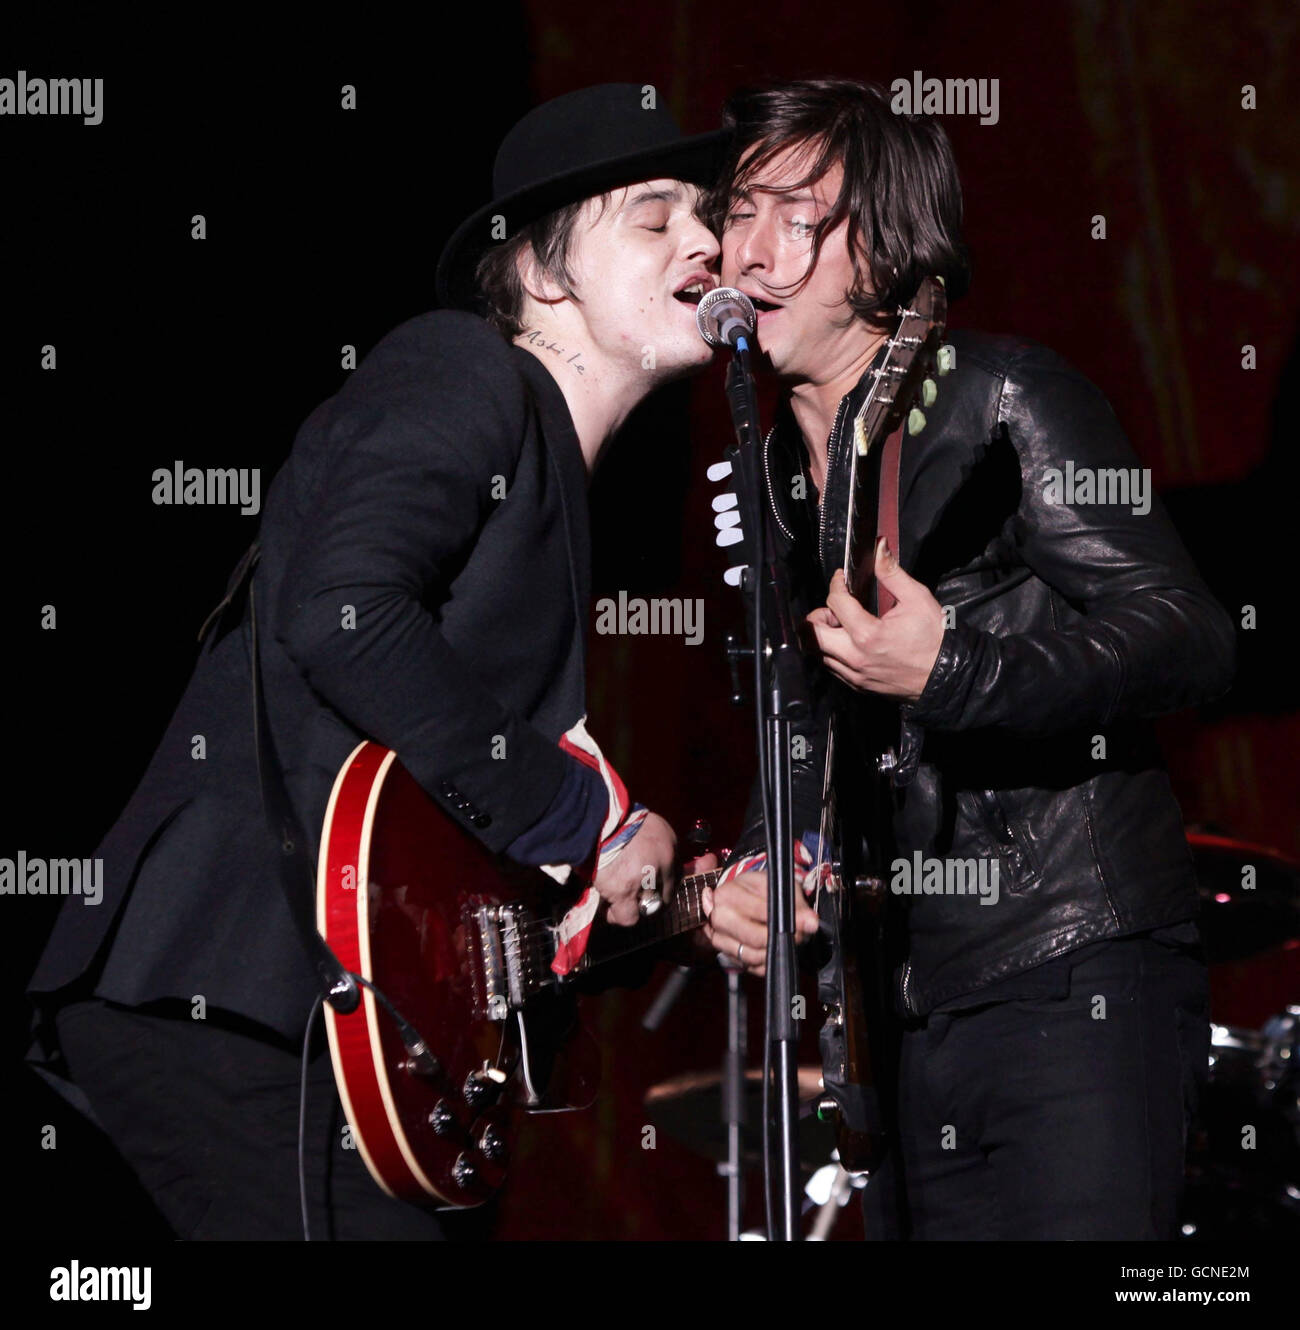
[[684, 912]]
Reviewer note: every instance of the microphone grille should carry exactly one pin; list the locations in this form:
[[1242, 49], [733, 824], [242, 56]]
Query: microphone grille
[[708, 315]]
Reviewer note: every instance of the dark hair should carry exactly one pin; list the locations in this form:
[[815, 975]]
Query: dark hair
[[500, 288], [900, 191]]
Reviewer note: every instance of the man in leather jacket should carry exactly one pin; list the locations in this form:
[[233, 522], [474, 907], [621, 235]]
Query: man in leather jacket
[[1051, 1026]]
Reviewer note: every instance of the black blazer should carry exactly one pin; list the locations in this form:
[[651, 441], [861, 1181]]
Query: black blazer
[[399, 598]]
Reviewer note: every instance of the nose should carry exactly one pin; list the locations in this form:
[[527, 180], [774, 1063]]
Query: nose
[[701, 244], [748, 248]]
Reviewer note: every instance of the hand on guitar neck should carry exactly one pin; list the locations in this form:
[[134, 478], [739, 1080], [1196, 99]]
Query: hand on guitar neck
[[737, 912], [649, 858]]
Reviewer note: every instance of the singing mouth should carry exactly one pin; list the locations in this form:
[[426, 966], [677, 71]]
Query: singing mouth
[[694, 289], [761, 305]]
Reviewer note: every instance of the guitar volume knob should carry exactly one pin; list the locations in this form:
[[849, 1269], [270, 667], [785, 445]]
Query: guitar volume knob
[[463, 1171], [483, 1087], [490, 1144]]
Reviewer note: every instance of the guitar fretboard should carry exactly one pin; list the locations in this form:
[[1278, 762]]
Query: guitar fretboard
[[681, 914]]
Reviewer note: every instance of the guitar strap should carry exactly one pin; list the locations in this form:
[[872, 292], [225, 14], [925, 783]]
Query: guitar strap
[[293, 867], [887, 524], [887, 512]]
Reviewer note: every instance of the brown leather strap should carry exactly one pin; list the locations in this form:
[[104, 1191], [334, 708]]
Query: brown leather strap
[[887, 512]]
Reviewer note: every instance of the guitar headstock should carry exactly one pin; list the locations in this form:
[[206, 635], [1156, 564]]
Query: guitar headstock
[[905, 388], [906, 381]]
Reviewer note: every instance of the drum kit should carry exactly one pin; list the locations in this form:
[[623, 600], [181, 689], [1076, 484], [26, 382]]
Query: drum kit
[[1243, 1177], [1243, 1171]]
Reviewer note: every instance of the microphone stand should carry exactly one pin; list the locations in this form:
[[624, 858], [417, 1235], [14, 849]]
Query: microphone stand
[[780, 697]]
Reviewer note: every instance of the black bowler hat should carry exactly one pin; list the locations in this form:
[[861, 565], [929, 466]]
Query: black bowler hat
[[568, 149]]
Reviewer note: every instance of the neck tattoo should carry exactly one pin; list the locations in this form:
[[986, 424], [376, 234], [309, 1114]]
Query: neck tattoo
[[536, 337]]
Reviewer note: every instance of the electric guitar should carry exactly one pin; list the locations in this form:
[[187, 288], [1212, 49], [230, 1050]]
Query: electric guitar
[[472, 1026], [854, 832]]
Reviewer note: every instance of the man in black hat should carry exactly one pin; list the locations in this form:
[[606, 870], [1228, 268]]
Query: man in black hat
[[422, 582]]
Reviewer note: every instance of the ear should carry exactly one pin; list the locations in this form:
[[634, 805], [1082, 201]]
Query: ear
[[538, 284]]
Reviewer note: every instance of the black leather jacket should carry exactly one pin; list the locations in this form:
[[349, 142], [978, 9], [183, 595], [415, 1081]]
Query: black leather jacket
[[1072, 624]]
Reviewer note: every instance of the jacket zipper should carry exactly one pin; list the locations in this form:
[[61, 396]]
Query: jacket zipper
[[771, 491], [826, 479]]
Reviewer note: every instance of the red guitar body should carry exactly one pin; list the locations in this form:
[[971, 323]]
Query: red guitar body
[[416, 905]]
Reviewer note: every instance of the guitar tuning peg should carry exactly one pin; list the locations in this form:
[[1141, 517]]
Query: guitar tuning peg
[[915, 420], [929, 392], [721, 502], [947, 358], [724, 520], [733, 575], [719, 471], [733, 535]]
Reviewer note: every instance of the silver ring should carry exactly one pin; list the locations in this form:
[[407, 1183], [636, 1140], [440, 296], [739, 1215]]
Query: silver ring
[[648, 901], [739, 953]]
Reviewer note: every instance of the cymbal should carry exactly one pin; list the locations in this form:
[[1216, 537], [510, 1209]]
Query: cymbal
[[1239, 921], [689, 1109]]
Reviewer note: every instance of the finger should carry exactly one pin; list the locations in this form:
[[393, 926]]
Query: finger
[[739, 929], [624, 912], [805, 919], [891, 572], [846, 607], [843, 671], [752, 960], [835, 644], [744, 899], [704, 863], [822, 615]]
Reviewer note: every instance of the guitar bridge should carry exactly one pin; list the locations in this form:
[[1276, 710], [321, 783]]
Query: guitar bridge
[[500, 959]]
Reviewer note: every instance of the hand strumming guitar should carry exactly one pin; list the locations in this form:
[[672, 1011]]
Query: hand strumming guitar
[[892, 654]]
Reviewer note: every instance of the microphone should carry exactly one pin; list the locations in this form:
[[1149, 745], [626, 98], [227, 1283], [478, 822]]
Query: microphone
[[724, 316]]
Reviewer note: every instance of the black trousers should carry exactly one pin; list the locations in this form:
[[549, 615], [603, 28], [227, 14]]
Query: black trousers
[[1062, 1117], [206, 1114]]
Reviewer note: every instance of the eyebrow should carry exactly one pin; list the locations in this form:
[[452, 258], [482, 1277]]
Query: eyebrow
[[654, 196], [747, 195]]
